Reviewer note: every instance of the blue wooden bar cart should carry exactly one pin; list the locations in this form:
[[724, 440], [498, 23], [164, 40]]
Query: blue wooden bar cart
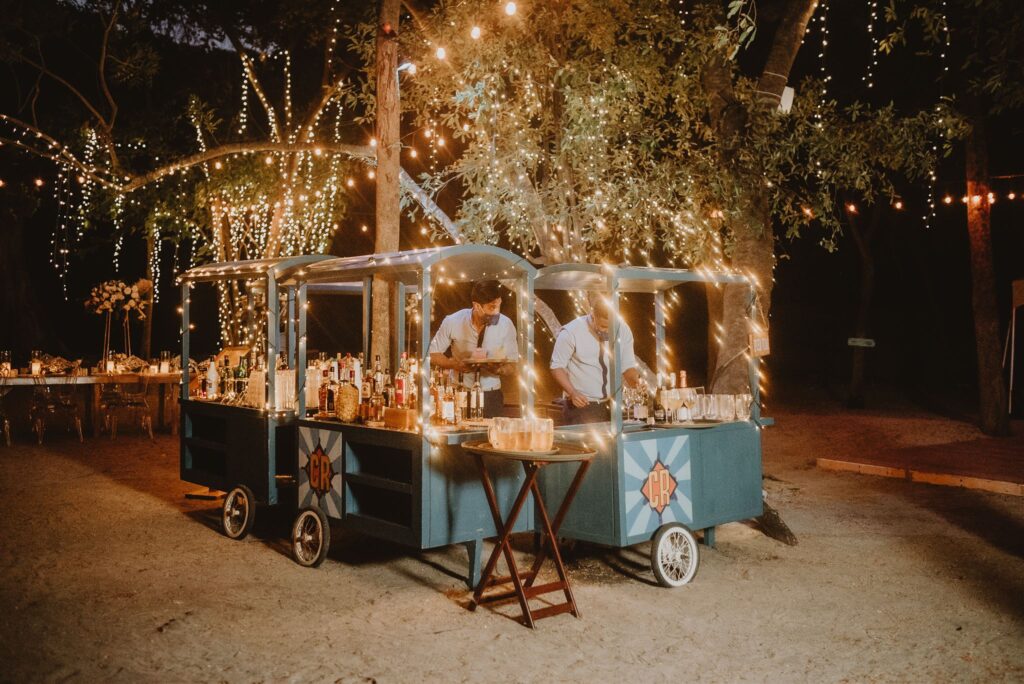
[[414, 488], [656, 483], [244, 450]]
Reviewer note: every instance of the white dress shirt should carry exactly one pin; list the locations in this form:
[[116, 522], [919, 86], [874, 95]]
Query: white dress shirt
[[457, 332], [580, 354]]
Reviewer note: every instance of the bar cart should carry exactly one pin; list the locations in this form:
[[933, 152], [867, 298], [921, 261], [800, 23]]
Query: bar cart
[[245, 448], [657, 483]]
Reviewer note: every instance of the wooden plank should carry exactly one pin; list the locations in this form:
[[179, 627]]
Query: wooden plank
[[947, 480], [861, 468]]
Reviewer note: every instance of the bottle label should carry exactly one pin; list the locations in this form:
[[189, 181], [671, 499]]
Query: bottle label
[[448, 411]]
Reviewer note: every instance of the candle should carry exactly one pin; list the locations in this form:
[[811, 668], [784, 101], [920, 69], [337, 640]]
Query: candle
[[153, 369], [165, 366], [37, 368], [110, 366]]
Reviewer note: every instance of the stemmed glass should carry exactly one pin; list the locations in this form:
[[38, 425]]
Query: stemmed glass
[[671, 399], [689, 400]]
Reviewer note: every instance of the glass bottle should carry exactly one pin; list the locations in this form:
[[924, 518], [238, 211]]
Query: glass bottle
[[389, 389], [401, 383], [324, 391], [212, 379], [475, 396], [462, 399], [448, 414]]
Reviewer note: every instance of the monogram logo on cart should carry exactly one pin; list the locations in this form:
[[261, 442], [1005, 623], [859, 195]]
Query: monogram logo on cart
[[320, 471], [659, 488]]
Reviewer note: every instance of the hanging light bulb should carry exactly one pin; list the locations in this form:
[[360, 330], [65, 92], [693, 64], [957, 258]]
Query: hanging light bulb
[[510, 8], [475, 33], [441, 53]]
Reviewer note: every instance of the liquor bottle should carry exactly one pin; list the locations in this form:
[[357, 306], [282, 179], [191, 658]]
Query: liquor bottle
[[334, 369], [401, 397], [212, 379], [462, 399], [324, 392], [227, 380], [389, 389], [474, 405], [241, 375], [448, 414], [682, 378], [366, 391], [378, 375]]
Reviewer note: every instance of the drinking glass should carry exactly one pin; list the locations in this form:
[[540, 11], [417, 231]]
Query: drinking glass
[[165, 362], [688, 397], [543, 435], [671, 399], [5, 363], [743, 403], [708, 407], [726, 407]]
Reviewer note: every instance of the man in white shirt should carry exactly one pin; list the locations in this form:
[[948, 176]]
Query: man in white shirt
[[580, 361], [484, 326]]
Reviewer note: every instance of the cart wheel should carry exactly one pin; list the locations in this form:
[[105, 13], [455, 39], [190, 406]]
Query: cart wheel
[[311, 537], [239, 512], [674, 555]]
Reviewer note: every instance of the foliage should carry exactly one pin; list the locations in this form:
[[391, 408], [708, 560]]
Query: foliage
[[582, 130]]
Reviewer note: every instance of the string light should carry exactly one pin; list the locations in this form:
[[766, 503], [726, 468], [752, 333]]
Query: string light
[[868, 77], [510, 8]]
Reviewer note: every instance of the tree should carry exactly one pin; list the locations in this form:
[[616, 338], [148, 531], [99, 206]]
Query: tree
[[628, 131], [983, 43]]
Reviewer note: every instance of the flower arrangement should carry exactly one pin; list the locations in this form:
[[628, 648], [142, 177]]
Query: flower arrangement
[[115, 296]]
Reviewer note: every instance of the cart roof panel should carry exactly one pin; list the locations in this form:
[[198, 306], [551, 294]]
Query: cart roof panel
[[628, 278], [254, 268], [457, 263]]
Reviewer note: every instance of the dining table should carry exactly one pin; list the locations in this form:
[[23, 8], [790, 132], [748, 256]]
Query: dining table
[[165, 382]]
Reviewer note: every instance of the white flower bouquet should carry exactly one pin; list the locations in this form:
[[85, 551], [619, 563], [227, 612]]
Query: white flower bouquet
[[115, 296]]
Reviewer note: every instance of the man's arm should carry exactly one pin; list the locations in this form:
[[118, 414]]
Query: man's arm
[[631, 376], [439, 360], [440, 344], [561, 376]]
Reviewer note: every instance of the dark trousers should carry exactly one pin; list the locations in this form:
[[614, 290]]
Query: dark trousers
[[594, 412], [494, 403]]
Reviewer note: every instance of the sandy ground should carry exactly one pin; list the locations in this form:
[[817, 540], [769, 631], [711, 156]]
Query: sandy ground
[[108, 573]]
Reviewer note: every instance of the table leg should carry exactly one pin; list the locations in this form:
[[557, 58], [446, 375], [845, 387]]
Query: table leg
[[95, 410], [504, 531], [161, 418], [555, 553], [563, 509]]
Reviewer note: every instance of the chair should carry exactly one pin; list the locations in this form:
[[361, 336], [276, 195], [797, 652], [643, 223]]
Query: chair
[[130, 397], [55, 400]]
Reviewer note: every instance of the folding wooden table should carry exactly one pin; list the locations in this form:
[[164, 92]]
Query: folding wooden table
[[523, 586]]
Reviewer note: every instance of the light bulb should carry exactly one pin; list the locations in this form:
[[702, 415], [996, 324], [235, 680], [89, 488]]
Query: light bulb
[[510, 8], [475, 32]]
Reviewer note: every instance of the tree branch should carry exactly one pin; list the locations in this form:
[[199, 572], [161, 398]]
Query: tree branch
[[356, 151], [103, 62], [275, 129]]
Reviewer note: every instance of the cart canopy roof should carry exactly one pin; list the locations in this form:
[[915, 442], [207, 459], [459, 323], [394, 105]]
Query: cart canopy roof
[[455, 263], [282, 267], [627, 278]]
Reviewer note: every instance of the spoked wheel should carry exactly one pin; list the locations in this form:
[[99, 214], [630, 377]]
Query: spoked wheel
[[674, 555], [311, 537], [239, 512]]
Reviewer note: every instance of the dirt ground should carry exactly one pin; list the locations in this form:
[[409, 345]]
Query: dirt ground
[[108, 573]]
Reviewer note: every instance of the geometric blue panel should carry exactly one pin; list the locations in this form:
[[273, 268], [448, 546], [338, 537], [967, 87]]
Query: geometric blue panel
[[320, 469], [658, 483]]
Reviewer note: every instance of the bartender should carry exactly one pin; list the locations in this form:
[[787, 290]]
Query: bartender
[[580, 361], [482, 326]]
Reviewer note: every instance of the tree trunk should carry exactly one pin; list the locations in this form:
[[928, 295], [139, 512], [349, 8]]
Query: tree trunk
[[858, 363], [991, 386], [753, 252], [388, 167]]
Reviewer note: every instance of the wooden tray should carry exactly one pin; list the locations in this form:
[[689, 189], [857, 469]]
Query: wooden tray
[[563, 451]]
